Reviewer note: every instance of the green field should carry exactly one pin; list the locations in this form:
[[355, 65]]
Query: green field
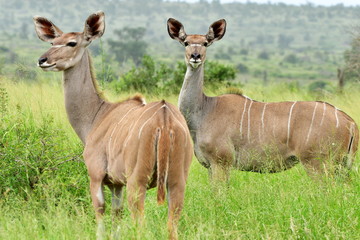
[[44, 185]]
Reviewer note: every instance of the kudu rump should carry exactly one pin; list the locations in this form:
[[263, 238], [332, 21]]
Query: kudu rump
[[127, 143], [234, 130]]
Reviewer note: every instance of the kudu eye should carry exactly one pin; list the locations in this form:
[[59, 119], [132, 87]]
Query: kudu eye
[[186, 44], [71, 44], [205, 44]]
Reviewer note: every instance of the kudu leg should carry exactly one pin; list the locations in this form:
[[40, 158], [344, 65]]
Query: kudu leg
[[175, 205], [136, 198], [97, 196], [219, 173], [117, 207]]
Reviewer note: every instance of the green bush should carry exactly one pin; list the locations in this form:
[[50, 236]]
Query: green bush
[[159, 78], [217, 73], [34, 155]]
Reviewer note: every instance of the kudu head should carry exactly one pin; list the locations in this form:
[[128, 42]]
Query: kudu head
[[67, 48], [195, 45]]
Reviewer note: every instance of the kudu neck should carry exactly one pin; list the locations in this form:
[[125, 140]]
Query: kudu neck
[[191, 96], [82, 100]]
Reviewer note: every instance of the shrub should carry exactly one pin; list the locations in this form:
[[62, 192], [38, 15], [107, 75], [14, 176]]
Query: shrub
[[291, 58], [242, 68], [159, 78], [217, 73], [34, 154], [264, 55]]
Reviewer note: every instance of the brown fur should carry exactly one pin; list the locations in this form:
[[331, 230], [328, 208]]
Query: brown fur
[[235, 131], [128, 143]]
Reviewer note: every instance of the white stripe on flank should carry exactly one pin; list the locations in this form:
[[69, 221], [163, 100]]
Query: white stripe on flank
[[140, 131], [242, 117], [113, 131], [262, 119], [288, 132], [132, 127], [184, 128], [248, 135], [337, 118], [323, 115], [311, 124]]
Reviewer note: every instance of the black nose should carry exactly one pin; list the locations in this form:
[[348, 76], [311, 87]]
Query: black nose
[[195, 56], [42, 60]]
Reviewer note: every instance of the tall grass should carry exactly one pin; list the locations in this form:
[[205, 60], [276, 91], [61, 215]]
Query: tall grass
[[287, 205]]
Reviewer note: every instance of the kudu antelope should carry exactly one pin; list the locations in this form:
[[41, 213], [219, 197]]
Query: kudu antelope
[[127, 143], [233, 130]]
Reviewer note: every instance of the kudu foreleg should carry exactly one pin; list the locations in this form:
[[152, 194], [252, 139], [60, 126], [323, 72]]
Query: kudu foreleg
[[97, 196], [219, 173]]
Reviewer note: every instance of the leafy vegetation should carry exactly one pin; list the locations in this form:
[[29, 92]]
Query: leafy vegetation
[[158, 78]]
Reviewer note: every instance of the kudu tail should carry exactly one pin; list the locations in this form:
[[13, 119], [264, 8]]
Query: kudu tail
[[163, 150]]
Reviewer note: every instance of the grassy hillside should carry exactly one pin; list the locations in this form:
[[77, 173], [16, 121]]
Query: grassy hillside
[[301, 43]]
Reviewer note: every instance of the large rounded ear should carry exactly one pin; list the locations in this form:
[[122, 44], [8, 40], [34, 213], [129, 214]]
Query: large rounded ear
[[176, 30], [216, 31], [45, 29], [94, 26]]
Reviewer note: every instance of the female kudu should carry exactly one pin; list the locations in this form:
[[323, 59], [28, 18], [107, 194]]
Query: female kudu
[[126, 143], [234, 130]]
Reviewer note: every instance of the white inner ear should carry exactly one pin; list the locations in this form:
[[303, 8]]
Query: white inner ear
[[182, 34], [210, 34]]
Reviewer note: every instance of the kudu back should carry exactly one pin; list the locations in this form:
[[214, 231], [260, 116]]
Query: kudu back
[[233, 130], [128, 143]]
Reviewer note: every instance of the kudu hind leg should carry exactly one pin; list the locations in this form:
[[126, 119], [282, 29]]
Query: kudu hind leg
[[117, 200], [117, 207], [136, 192], [176, 193]]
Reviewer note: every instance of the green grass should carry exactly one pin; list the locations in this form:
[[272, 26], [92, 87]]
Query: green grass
[[286, 205]]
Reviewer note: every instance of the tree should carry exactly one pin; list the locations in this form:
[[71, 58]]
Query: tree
[[352, 59], [284, 41], [130, 44]]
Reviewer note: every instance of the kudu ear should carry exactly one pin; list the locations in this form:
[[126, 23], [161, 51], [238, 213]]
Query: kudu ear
[[94, 26], [176, 30], [216, 31], [45, 29]]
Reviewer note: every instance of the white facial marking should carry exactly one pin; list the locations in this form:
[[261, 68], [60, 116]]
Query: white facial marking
[[195, 64], [288, 132], [58, 46], [311, 124], [195, 45]]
